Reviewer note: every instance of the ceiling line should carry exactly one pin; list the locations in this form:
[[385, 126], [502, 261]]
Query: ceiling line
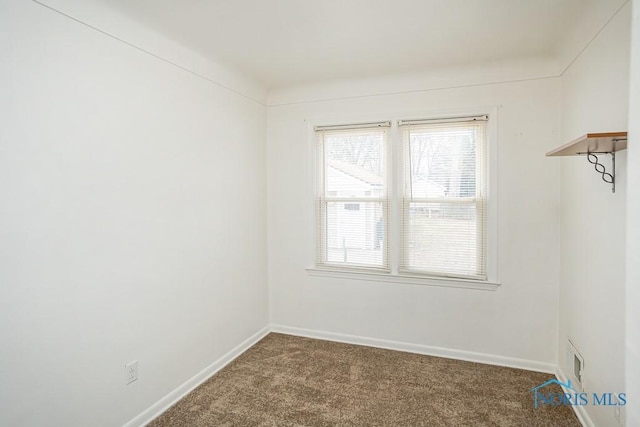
[[606, 24], [267, 104], [168, 61], [341, 98]]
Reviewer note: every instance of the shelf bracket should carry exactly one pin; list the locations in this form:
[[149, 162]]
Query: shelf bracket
[[609, 178], [593, 144]]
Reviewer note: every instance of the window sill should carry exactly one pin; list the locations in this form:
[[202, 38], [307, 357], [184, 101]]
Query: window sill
[[406, 279]]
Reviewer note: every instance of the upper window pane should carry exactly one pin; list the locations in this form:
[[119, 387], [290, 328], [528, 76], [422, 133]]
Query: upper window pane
[[443, 163], [354, 164]]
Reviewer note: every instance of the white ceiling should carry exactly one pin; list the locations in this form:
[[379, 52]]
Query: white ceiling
[[287, 42]]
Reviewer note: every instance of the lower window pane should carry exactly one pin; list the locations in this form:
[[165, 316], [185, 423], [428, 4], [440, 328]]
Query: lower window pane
[[444, 238], [355, 233]]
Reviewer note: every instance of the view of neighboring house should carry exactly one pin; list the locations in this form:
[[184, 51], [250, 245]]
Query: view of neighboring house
[[353, 227]]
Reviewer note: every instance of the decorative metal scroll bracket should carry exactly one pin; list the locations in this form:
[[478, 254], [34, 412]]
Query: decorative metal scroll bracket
[[609, 178], [592, 145]]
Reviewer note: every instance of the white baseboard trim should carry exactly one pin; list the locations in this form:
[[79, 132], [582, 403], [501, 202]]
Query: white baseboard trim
[[580, 411], [166, 402], [170, 399], [468, 356]]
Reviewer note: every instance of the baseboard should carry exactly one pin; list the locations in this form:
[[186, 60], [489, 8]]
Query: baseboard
[[580, 411], [163, 404], [468, 356], [166, 402]]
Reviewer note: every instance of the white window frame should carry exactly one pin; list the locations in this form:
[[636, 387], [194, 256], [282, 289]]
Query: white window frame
[[322, 200], [405, 127], [394, 221]]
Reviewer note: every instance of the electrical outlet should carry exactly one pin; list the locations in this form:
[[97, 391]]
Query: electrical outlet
[[131, 371]]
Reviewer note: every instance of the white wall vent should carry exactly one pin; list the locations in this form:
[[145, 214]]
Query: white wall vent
[[575, 363]]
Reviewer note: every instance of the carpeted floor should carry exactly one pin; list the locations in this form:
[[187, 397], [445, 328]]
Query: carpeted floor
[[291, 381]]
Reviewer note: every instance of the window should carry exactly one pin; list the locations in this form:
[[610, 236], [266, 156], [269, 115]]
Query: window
[[444, 202], [352, 203], [430, 176]]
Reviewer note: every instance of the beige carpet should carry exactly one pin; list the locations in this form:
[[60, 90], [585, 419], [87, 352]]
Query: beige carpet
[[292, 381]]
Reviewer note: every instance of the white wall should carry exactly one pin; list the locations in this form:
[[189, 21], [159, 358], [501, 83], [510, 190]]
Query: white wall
[[592, 252], [132, 222], [519, 320], [632, 384]]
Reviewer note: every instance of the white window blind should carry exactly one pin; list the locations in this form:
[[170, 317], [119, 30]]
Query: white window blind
[[352, 204], [444, 197]]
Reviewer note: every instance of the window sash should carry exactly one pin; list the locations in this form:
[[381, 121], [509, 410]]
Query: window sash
[[479, 272], [475, 266], [324, 249], [369, 237]]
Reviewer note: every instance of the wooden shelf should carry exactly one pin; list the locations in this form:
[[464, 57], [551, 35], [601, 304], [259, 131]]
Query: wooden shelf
[[593, 143]]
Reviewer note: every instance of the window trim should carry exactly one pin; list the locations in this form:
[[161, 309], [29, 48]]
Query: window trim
[[402, 278], [394, 156]]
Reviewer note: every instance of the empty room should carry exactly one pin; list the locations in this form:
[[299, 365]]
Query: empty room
[[319, 213]]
